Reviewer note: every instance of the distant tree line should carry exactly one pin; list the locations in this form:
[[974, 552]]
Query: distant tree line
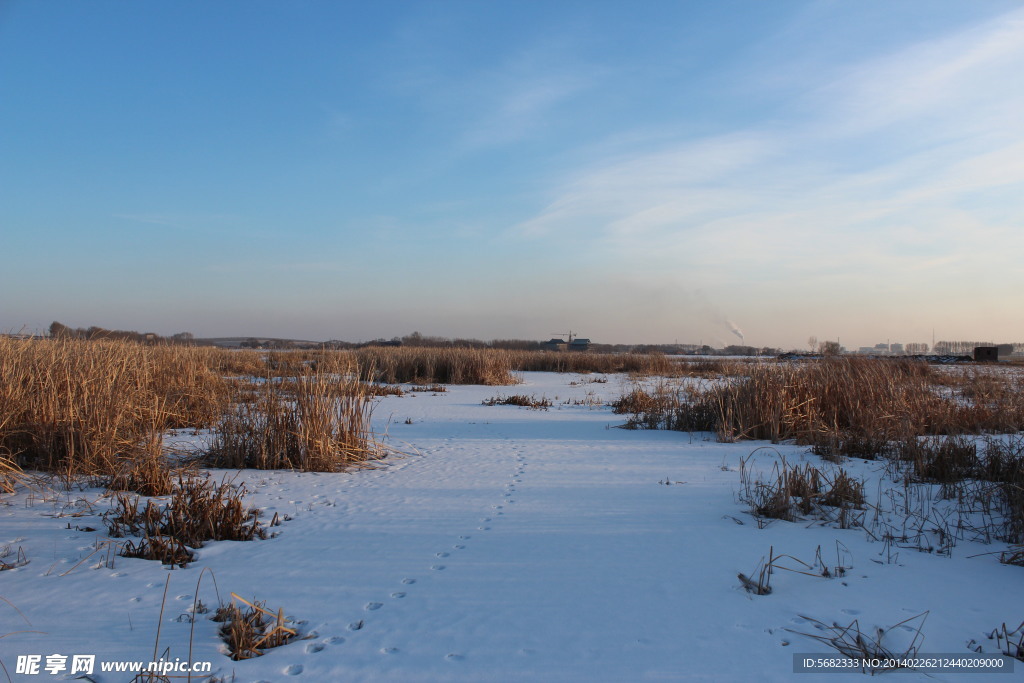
[[966, 348], [59, 330], [417, 339]]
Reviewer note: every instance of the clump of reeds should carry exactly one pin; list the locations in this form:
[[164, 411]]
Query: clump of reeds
[[990, 480], [1013, 555], [1010, 643], [717, 368], [794, 491], [426, 365], [869, 648], [667, 406], [522, 400], [316, 422], [759, 582], [429, 388], [84, 408], [640, 401], [842, 405], [384, 390], [248, 632], [944, 460], [19, 558], [198, 511], [586, 361], [1003, 464], [835, 447]]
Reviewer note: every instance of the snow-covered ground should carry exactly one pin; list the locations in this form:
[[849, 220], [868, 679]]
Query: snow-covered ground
[[509, 544]]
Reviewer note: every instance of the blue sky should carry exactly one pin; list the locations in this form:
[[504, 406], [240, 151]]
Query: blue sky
[[639, 172]]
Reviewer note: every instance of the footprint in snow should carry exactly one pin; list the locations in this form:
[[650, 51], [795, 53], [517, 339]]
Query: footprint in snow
[[356, 625], [314, 647], [484, 528], [334, 640], [373, 606], [408, 581], [294, 670], [452, 657], [398, 595], [389, 650], [438, 567], [852, 612], [441, 554], [459, 547]]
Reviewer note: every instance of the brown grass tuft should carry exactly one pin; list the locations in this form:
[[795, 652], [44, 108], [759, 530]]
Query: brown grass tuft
[[198, 511], [248, 632], [542, 403], [316, 422], [83, 408]]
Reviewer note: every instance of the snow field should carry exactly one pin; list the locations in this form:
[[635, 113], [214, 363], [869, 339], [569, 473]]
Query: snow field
[[508, 544]]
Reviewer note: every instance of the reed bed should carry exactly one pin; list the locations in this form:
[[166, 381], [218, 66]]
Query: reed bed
[[427, 365], [586, 362], [842, 405], [316, 422], [198, 511], [96, 408], [99, 409], [436, 365]]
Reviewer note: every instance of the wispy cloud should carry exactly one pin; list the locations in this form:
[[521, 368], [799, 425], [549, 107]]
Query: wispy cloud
[[633, 194], [826, 191], [967, 81], [518, 105], [501, 98]]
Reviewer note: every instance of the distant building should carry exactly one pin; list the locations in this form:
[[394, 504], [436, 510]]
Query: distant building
[[986, 353], [555, 344], [574, 344], [579, 345]]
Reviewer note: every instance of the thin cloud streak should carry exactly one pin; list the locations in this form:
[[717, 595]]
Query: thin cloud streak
[[774, 193]]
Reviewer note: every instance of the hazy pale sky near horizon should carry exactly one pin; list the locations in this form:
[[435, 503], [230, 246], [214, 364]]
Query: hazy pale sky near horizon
[[637, 172]]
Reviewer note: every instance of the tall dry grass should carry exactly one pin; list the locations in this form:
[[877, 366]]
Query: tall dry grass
[[585, 362], [96, 408], [100, 408], [843, 400], [317, 422], [424, 365]]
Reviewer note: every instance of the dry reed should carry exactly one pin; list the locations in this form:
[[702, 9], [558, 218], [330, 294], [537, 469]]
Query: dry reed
[[78, 408], [198, 511], [316, 422]]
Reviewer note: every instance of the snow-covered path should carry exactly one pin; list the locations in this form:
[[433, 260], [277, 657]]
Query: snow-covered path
[[508, 545]]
